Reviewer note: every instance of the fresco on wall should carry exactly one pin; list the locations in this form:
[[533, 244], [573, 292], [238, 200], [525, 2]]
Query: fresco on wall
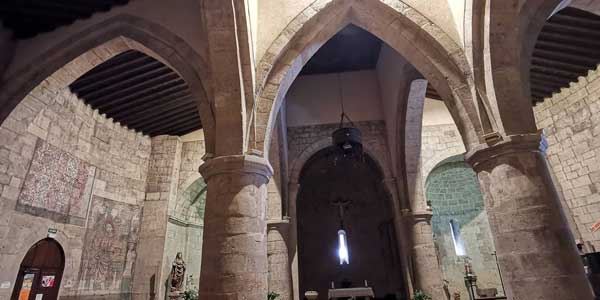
[[109, 247], [57, 186]]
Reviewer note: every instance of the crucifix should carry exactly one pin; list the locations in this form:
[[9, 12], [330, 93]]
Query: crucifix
[[343, 253]]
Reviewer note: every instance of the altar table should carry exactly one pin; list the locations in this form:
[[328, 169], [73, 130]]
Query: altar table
[[366, 292]]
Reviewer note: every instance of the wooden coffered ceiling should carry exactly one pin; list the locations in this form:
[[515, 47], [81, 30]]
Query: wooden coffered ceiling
[[141, 93], [567, 47]]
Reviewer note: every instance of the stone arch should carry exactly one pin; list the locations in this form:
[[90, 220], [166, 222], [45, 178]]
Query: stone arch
[[382, 161], [192, 196], [107, 39], [299, 163], [410, 142], [185, 227], [506, 24], [454, 193], [438, 160], [423, 43], [376, 206]]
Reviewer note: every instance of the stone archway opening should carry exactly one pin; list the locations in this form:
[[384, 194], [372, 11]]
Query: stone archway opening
[[371, 84], [452, 190], [184, 231], [40, 272], [374, 258]]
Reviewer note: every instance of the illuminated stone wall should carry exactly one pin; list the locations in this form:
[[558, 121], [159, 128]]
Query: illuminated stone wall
[[453, 191]]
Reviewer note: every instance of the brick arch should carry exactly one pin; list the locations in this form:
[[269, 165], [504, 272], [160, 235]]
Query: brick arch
[[424, 44], [101, 41], [510, 29]]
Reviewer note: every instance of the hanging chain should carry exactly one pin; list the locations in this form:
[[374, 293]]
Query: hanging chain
[[341, 92]]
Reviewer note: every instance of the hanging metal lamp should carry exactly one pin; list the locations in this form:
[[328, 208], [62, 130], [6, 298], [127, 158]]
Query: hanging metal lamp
[[347, 138]]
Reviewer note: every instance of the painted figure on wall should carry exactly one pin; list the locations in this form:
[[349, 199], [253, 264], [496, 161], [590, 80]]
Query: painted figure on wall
[[109, 248], [103, 247]]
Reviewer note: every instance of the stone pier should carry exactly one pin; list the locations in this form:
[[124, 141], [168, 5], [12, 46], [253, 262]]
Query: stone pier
[[234, 250], [536, 252], [280, 279], [427, 272]]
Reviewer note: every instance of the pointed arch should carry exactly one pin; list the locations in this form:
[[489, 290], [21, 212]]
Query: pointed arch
[[431, 51], [510, 29], [107, 39]]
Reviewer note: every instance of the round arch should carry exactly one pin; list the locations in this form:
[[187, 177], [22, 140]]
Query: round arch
[[193, 196], [116, 34], [372, 204], [431, 51], [40, 271], [299, 163]]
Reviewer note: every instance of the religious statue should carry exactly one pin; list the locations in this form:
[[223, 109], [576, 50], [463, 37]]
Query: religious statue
[[177, 277]]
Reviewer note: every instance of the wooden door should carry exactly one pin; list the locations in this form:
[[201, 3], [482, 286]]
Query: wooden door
[[40, 273]]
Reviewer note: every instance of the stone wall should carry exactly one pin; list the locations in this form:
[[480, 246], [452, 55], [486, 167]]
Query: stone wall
[[571, 123], [301, 138], [305, 141], [438, 142], [64, 166], [453, 191], [186, 214]]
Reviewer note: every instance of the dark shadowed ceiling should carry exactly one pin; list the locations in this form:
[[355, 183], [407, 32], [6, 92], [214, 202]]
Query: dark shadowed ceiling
[[351, 49], [141, 93], [567, 47], [27, 18]]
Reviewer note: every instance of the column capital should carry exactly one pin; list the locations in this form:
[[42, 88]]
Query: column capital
[[417, 215], [242, 164], [422, 216], [277, 223], [483, 153]]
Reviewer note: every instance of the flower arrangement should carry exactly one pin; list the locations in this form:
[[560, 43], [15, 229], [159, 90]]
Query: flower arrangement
[[420, 295], [190, 294]]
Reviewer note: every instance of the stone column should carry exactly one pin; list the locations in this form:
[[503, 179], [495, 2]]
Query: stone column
[[234, 250], [402, 228], [426, 268], [280, 280], [293, 190], [426, 272], [536, 252]]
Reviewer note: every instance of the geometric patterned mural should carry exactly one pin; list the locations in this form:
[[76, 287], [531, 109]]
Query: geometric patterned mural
[[58, 185]]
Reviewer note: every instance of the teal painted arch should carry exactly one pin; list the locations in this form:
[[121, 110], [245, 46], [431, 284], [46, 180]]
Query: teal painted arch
[[190, 204], [452, 190]]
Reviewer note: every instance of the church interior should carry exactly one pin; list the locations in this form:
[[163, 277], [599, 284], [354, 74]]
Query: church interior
[[299, 149]]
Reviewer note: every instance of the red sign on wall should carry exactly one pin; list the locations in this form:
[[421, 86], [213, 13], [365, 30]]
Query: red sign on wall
[[595, 227]]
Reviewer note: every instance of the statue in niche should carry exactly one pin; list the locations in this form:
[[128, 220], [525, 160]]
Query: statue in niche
[[177, 277]]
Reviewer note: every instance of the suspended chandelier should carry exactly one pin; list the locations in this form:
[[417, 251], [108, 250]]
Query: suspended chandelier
[[347, 138]]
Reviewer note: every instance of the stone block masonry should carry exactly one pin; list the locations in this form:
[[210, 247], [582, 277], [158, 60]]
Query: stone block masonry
[[571, 123], [373, 133], [65, 166]]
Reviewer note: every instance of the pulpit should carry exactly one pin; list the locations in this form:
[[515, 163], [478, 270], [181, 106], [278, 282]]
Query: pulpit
[[352, 293]]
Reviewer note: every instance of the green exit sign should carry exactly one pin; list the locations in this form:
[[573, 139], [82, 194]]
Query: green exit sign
[[52, 232]]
